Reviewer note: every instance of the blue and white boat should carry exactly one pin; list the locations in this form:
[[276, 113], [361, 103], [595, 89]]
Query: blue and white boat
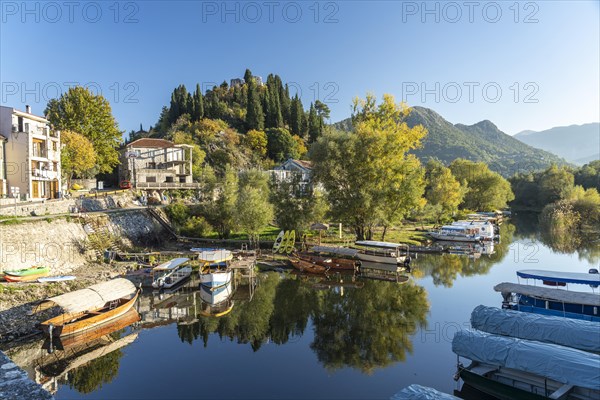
[[216, 302], [171, 273], [556, 278]]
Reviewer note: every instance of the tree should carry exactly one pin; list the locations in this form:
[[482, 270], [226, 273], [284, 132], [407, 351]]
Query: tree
[[554, 183], [254, 110], [77, 157], [79, 110], [281, 145], [485, 190], [442, 189], [362, 171], [253, 209], [221, 212], [257, 142], [314, 125], [296, 116], [588, 176], [198, 105]]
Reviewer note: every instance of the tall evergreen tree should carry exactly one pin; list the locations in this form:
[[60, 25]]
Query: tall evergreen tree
[[285, 101], [254, 111], [314, 125], [247, 76], [198, 101], [296, 116]]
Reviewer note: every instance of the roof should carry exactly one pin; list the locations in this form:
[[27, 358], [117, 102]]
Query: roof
[[342, 251], [171, 264], [564, 296], [575, 333], [559, 363], [555, 276], [373, 243], [304, 163], [2, 137], [152, 143], [91, 298]]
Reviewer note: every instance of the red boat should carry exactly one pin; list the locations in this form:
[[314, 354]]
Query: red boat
[[329, 262]]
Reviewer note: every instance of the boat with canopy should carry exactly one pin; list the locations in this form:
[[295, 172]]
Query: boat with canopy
[[381, 252], [558, 277], [171, 273]]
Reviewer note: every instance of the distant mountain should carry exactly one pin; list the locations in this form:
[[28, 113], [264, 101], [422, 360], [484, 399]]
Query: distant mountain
[[576, 143], [480, 142]]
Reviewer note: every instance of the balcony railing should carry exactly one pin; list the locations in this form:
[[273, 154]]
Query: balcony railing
[[41, 153], [167, 185], [44, 174]]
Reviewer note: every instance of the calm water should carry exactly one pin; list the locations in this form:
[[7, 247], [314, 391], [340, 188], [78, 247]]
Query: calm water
[[297, 338]]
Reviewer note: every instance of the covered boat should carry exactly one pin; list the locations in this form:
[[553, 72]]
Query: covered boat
[[457, 233], [556, 277], [509, 368], [90, 307], [171, 273], [578, 334], [212, 256], [542, 300], [418, 392], [382, 252]]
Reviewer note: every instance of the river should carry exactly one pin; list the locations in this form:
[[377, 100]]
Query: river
[[293, 336]]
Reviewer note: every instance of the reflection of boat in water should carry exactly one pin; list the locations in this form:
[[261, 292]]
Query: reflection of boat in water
[[382, 252], [90, 307], [307, 266], [509, 368], [385, 272], [216, 302], [171, 273]]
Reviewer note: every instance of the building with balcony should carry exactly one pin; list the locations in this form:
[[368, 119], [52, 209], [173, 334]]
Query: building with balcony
[[3, 140], [156, 164], [31, 154], [291, 168]]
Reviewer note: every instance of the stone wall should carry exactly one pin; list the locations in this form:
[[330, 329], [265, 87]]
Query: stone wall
[[15, 384]]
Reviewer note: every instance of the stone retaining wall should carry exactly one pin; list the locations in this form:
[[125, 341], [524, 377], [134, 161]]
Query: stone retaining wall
[[15, 384]]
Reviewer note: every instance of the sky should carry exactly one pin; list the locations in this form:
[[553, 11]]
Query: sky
[[522, 65]]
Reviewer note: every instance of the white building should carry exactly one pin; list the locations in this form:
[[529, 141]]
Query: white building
[[290, 168], [32, 154]]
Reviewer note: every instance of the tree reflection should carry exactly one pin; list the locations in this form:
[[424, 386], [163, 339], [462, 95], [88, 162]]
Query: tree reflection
[[369, 327], [91, 376]]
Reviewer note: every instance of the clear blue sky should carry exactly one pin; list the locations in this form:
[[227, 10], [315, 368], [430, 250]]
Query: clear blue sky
[[547, 51]]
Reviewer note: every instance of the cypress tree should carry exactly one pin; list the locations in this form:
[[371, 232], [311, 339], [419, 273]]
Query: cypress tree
[[314, 125], [296, 116], [254, 111], [247, 76], [198, 101]]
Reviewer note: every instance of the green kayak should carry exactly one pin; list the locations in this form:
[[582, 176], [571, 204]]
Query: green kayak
[[28, 271]]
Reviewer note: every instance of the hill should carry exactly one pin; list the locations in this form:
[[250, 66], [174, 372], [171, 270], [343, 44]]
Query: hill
[[576, 143], [482, 141]]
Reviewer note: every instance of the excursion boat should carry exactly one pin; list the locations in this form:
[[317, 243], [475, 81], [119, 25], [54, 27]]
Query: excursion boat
[[210, 256], [553, 278], [308, 266], [542, 300], [217, 302], [382, 252], [457, 233], [332, 257], [485, 229], [90, 307], [171, 273], [517, 369], [577, 334]]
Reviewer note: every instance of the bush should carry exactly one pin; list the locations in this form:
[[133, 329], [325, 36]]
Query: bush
[[196, 227], [178, 213]]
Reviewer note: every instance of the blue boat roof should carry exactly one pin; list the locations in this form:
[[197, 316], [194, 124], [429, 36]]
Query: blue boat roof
[[557, 276]]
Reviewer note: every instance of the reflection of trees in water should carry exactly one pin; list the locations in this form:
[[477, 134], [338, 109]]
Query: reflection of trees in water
[[366, 328], [369, 327], [91, 376]]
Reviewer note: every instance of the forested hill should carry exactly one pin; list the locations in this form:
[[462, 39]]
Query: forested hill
[[482, 141]]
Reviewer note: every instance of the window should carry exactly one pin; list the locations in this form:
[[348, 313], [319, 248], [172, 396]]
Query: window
[[169, 179], [55, 146], [151, 179], [20, 123], [182, 179]]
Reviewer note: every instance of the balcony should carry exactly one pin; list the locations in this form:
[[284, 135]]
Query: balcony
[[43, 174], [39, 152], [167, 185]]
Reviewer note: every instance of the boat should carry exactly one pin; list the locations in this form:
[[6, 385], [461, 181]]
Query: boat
[[320, 255], [307, 266], [418, 392], [456, 233], [171, 273], [284, 241], [61, 278], [515, 369], [577, 334], [289, 245], [25, 278], [28, 271], [558, 302], [215, 275], [484, 229], [382, 252], [216, 303], [90, 307], [212, 256], [554, 278], [278, 241]]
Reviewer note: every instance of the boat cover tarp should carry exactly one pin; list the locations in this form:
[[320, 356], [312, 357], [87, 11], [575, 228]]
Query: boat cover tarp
[[559, 363], [555, 276], [551, 294], [418, 392], [579, 334], [171, 264], [342, 251], [91, 298], [385, 245]]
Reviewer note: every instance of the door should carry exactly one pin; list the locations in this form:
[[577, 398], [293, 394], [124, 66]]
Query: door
[[36, 189]]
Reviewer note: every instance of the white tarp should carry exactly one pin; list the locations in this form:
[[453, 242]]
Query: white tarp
[[559, 363], [418, 392], [579, 334]]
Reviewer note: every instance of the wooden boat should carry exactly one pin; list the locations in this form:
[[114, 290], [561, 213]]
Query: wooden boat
[[28, 271], [306, 266], [515, 369], [381, 252], [90, 307], [329, 262], [171, 273], [25, 278]]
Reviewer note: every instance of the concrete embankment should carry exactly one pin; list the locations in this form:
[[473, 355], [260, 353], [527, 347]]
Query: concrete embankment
[[16, 385]]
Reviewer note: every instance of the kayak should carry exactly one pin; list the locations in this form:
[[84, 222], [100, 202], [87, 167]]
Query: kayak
[[28, 278], [28, 271], [56, 278]]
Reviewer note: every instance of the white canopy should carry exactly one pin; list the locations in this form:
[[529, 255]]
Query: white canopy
[[171, 264], [342, 251], [91, 298]]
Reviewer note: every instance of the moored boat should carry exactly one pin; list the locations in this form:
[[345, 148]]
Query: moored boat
[[512, 369], [212, 256], [90, 307], [382, 252], [328, 262], [171, 273], [555, 278], [457, 233], [307, 266], [215, 276]]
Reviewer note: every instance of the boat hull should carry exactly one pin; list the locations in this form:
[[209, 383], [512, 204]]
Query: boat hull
[[453, 238], [380, 259], [496, 389], [28, 271], [69, 324], [25, 278], [307, 266]]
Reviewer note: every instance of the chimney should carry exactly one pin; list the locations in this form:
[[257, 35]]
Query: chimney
[[28, 109]]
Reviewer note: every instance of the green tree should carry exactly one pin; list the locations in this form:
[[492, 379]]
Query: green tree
[[221, 211], [198, 104], [554, 183], [361, 170], [257, 142], [442, 189], [254, 110], [588, 176], [254, 211], [485, 190], [314, 125], [79, 110], [296, 116], [281, 145], [77, 156]]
